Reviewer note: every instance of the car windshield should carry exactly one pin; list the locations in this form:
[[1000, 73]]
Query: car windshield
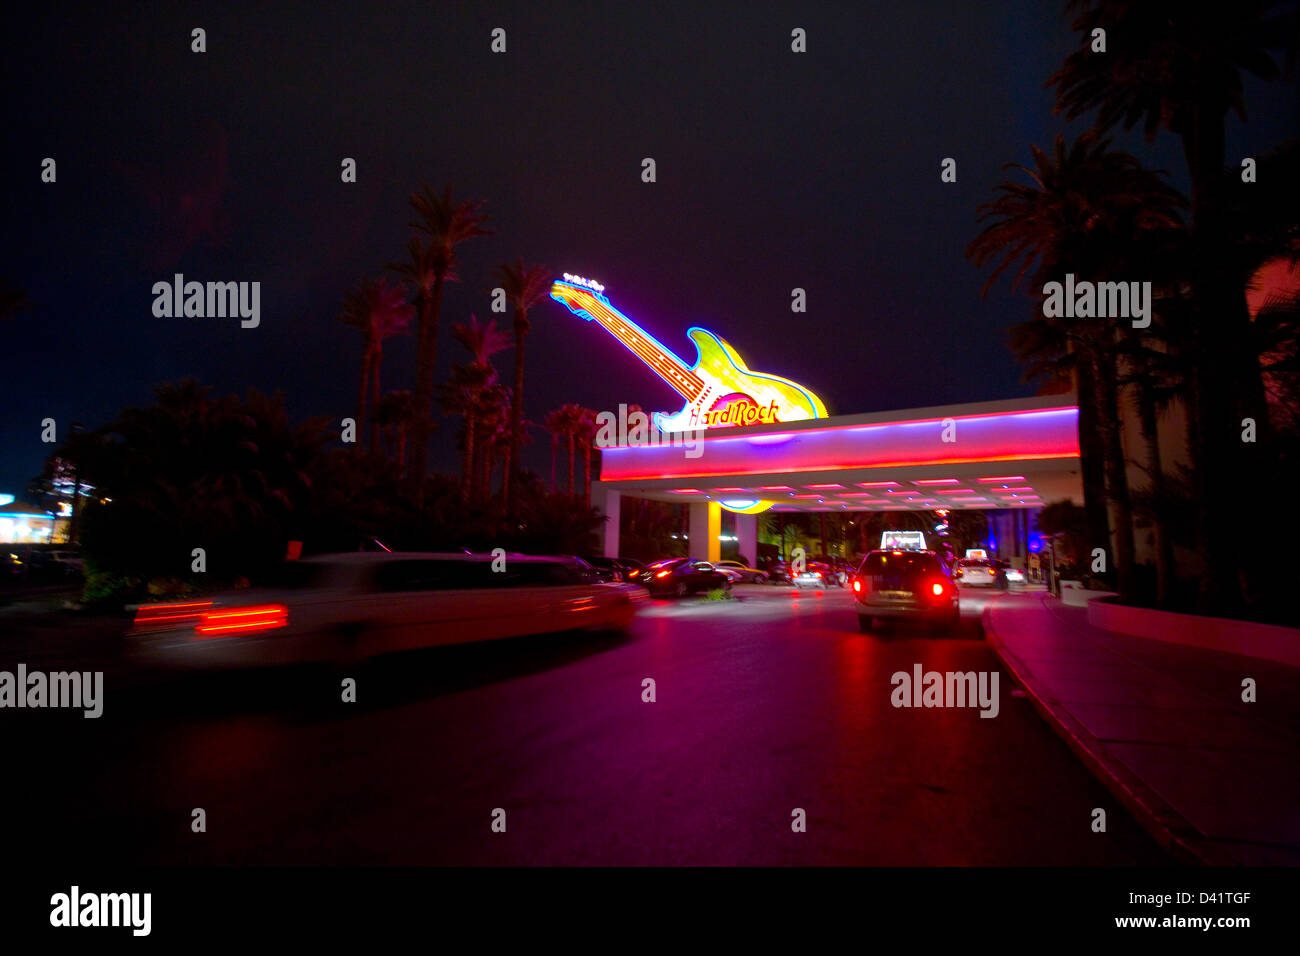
[[903, 562]]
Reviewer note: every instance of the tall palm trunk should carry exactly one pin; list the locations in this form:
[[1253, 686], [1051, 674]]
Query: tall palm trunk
[[1092, 455], [516, 409], [555, 447], [586, 470], [427, 352], [1155, 465], [508, 457], [375, 361], [1226, 377], [573, 438], [467, 460], [1116, 474], [362, 393]]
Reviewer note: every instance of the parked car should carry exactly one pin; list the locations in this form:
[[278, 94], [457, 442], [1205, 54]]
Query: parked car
[[349, 606], [734, 575], [682, 576], [624, 569], [747, 574], [609, 574], [779, 572], [893, 584]]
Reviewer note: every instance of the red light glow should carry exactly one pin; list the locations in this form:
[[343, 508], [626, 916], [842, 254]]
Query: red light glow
[[263, 617]]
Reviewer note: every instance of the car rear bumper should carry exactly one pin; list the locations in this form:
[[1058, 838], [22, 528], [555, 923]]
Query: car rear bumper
[[936, 611]]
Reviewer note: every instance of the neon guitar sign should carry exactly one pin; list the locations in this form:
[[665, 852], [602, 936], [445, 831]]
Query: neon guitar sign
[[719, 390]]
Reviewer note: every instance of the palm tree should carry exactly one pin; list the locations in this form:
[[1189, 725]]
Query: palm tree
[[430, 264], [1093, 211], [585, 431], [379, 312], [393, 415], [555, 424], [568, 418], [465, 393], [1178, 66], [524, 286]]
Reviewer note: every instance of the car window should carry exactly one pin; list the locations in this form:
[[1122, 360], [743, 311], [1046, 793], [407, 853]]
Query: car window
[[295, 575], [908, 562], [443, 575]]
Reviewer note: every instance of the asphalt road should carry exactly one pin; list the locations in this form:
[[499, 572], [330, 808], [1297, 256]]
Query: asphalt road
[[764, 704]]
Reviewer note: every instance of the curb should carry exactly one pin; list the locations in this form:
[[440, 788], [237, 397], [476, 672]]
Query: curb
[[1169, 828]]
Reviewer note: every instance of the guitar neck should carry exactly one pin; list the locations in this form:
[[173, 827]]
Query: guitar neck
[[664, 363]]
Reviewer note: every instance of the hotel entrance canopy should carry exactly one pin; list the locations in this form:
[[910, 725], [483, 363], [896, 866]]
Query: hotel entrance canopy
[[1018, 453]]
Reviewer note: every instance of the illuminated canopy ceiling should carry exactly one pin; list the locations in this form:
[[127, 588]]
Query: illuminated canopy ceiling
[[1010, 454]]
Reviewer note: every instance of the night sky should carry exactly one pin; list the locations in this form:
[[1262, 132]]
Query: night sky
[[775, 170]]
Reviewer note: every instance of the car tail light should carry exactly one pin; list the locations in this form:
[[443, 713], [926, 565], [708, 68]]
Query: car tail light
[[160, 616], [991, 571], [243, 620], [857, 586], [663, 574], [936, 589]]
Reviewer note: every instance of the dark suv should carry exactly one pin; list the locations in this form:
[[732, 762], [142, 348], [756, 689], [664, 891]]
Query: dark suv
[[904, 584]]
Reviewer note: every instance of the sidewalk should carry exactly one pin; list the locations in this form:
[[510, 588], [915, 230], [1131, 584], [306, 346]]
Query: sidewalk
[[1215, 779]]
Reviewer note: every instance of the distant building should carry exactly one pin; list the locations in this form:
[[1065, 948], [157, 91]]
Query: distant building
[[24, 523]]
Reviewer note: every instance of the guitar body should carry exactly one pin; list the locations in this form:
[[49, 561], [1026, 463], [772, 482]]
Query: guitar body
[[729, 382]]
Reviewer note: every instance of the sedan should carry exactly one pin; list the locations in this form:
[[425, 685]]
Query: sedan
[[350, 606], [683, 576], [817, 575], [747, 574]]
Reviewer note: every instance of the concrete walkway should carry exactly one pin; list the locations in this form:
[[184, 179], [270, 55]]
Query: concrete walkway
[[1215, 779]]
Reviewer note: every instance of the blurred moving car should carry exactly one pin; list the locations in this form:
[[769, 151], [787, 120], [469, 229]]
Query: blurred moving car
[[350, 606], [625, 569], [904, 584], [747, 574], [1014, 575], [609, 574], [976, 572], [683, 576]]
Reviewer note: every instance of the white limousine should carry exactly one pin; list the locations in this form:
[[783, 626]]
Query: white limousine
[[349, 606]]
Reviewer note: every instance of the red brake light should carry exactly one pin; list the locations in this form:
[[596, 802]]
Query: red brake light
[[663, 574], [155, 616], [857, 585], [242, 620], [937, 589], [991, 571]]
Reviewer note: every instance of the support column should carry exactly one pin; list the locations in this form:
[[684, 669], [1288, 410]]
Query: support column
[[706, 526], [747, 538], [608, 501]]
